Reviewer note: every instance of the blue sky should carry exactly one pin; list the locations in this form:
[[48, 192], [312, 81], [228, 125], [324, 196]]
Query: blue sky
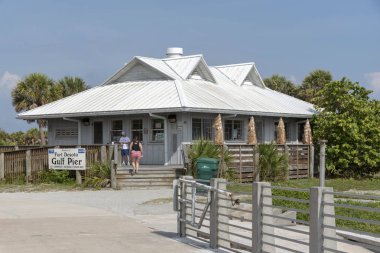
[[92, 39]]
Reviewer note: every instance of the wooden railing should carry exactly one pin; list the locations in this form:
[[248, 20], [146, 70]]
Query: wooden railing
[[12, 148], [27, 164], [245, 160]]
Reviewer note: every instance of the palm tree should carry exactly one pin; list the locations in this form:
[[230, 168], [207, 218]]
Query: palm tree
[[34, 90], [70, 85]]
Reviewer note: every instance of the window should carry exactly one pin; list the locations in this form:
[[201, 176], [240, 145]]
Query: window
[[157, 130], [116, 129], [233, 130], [300, 134], [201, 129], [286, 131], [259, 127], [137, 128]]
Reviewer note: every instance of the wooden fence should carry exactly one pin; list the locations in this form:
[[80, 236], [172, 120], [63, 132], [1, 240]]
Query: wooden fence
[[245, 160], [12, 148], [27, 164]]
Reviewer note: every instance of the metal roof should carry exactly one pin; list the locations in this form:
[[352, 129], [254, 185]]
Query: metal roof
[[180, 94]]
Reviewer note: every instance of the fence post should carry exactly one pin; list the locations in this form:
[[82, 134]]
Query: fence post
[[103, 154], [113, 175], [317, 220], [218, 207], [315, 244], [181, 221], [116, 154], [28, 165], [286, 152], [257, 159], [78, 175], [2, 166], [258, 218], [311, 161], [322, 159], [110, 152], [214, 215]]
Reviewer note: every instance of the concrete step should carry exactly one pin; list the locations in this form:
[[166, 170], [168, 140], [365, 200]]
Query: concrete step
[[141, 179], [147, 178], [147, 172], [144, 183]]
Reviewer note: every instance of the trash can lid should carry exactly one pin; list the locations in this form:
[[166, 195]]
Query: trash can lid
[[207, 160]]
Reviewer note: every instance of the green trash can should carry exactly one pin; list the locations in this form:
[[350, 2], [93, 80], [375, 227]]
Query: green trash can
[[207, 168]]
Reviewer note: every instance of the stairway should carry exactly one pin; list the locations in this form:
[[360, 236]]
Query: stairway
[[148, 177]]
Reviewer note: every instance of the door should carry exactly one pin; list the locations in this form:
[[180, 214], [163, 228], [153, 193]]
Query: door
[[98, 132]]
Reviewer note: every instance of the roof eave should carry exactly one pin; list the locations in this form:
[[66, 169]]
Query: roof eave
[[164, 110]]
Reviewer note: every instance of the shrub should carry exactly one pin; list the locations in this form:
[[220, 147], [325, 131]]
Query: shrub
[[206, 148], [273, 166], [99, 175], [55, 176]]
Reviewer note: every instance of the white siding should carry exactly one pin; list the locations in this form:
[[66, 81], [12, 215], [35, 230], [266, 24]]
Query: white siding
[[140, 72]]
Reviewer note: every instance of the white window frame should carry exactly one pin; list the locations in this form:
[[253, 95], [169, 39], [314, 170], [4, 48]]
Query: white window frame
[[235, 122], [157, 131], [203, 131], [139, 130]]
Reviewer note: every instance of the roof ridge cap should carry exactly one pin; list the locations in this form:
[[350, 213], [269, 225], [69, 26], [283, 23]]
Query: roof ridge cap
[[235, 65], [182, 57]]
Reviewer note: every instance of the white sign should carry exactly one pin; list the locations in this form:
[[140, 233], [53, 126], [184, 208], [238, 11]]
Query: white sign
[[67, 159]]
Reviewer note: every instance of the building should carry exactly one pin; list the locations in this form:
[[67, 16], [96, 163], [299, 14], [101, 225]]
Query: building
[[170, 101]]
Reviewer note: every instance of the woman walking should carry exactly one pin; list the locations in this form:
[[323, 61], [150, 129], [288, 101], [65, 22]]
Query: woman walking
[[136, 153]]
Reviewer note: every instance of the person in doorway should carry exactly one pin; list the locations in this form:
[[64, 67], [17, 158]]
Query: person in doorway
[[124, 141], [136, 153]]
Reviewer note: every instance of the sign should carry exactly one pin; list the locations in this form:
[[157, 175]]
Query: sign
[[67, 159]]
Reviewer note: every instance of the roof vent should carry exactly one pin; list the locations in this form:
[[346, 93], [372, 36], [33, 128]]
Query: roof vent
[[174, 52]]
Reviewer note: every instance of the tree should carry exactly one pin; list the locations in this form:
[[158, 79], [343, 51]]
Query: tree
[[281, 84], [34, 90], [70, 85], [312, 83], [350, 122], [4, 137]]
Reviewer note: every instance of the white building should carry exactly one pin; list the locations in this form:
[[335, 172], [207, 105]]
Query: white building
[[169, 101]]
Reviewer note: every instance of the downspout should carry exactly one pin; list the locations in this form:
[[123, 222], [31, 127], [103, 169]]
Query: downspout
[[79, 129], [165, 134]]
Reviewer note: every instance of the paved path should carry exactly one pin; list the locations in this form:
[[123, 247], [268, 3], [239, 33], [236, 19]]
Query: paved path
[[88, 221]]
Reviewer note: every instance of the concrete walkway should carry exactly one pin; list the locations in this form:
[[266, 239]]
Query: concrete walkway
[[101, 221], [88, 221]]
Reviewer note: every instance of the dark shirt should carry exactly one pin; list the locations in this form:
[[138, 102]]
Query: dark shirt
[[136, 146]]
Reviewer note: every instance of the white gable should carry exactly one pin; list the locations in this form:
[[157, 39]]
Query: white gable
[[183, 65], [193, 67], [242, 74], [140, 72]]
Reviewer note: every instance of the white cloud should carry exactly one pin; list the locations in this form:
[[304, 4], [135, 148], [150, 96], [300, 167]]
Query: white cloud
[[8, 81], [373, 80]]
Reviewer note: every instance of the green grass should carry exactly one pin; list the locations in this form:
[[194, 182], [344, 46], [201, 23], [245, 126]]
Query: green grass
[[338, 185], [43, 187]]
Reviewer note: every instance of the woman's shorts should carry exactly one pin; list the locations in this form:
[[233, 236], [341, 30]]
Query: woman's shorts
[[125, 152], [136, 154]]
